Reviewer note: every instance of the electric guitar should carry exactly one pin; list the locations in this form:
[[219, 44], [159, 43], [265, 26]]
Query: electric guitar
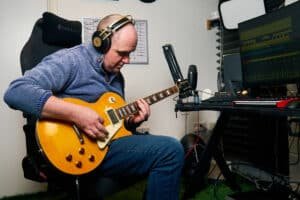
[[71, 151]]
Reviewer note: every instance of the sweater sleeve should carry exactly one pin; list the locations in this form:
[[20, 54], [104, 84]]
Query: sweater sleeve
[[30, 92]]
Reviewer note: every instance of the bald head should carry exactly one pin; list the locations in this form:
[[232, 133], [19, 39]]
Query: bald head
[[108, 20], [123, 41], [113, 26]]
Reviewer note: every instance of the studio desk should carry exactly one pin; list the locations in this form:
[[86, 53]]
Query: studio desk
[[275, 112]]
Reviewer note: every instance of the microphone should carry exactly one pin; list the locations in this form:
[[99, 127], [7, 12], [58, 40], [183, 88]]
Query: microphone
[[183, 84], [192, 76], [192, 79]]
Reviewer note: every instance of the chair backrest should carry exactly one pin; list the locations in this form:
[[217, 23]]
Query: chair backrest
[[50, 33]]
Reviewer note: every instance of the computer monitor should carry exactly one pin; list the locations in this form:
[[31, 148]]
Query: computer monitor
[[270, 48]]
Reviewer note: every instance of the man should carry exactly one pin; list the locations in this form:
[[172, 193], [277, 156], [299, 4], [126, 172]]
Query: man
[[85, 72]]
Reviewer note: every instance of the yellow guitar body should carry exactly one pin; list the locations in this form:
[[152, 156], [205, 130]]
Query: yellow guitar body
[[71, 151]]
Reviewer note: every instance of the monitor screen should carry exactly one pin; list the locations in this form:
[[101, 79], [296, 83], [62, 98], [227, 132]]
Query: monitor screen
[[270, 48]]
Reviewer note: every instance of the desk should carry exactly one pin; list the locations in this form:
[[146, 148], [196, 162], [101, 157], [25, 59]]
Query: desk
[[186, 107], [275, 116]]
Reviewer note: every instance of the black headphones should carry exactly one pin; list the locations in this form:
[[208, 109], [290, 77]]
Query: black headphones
[[102, 39]]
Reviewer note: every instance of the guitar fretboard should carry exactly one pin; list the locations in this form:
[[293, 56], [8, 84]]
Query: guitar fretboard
[[132, 108]]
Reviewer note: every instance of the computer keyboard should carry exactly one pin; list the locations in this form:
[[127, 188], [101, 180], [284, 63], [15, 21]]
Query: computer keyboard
[[226, 99], [254, 102]]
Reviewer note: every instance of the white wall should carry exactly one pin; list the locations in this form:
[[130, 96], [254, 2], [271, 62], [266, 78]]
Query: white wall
[[16, 21], [179, 22]]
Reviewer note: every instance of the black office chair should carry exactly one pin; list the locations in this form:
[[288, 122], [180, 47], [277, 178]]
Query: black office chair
[[51, 33]]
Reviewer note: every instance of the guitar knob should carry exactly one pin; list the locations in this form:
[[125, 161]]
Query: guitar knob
[[92, 158], [78, 164], [81, 151], [69, 157]]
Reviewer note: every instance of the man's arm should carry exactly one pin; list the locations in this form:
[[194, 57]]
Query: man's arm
[[30, 92], [83, 117]]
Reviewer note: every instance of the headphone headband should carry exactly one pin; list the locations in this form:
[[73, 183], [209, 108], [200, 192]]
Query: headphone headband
[[103, 36], [121, 22], [109, 30]]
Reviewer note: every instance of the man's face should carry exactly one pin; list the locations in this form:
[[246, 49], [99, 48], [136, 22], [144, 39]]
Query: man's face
[[123, 42]]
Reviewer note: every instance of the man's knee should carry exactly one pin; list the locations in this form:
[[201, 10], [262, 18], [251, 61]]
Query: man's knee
[[175, 148]]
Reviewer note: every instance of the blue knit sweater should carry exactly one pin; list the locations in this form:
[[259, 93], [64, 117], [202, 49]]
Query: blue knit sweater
[[76, 72]]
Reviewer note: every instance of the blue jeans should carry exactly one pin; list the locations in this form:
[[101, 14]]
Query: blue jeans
[[160, 158]]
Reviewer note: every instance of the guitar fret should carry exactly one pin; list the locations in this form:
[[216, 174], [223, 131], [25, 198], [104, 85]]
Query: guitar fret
[[168, 92], [128, 109], [154, 98], [119, 113], [148, 100], [136, 106], [124, 111], [161, 95], [132, 108]]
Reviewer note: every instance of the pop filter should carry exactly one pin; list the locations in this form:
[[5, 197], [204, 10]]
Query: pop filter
[[192, 76]]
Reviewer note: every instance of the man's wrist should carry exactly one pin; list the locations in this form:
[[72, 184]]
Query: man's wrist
[[130, 124]]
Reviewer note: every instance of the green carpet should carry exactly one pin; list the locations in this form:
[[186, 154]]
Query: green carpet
[[214, 191]]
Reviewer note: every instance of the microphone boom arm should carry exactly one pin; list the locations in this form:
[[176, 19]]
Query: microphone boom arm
[[172, 62], [184, 86]]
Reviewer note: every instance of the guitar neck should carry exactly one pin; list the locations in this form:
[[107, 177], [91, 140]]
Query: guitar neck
[[132, 108]]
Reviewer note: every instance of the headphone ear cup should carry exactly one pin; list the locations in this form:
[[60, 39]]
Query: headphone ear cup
[[105, 45], [99, 44], [97, 40]]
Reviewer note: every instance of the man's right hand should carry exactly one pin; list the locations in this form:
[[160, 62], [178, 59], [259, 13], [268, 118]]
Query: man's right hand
[[86, 119]]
